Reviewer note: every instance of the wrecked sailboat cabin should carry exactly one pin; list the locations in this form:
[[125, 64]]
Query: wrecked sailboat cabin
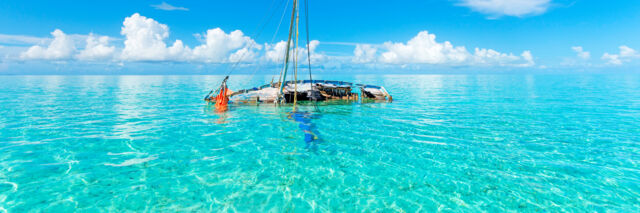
[[310, 90]]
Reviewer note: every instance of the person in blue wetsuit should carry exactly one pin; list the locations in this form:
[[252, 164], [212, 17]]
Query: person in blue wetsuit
[[304, 118]]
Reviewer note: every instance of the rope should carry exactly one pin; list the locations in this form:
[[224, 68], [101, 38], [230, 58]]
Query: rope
[[274, 35], [306, 14], [260, 65], [260, 30]]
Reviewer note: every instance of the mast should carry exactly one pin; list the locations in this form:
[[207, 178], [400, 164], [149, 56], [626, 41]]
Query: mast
[[283, 74], [295, 60]]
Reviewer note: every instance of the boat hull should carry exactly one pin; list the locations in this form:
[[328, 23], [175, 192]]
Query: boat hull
[[316, 90]]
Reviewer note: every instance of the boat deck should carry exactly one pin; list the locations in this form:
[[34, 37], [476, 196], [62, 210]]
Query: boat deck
[[310, 90]]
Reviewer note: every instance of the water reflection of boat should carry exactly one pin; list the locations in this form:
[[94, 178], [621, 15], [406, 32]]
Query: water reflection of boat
[[288, 88], [306, 126]]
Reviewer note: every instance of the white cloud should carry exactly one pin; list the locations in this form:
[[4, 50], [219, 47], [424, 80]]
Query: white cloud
[[497, 8], [243, 55], [97, 48], [424, 49], [22, 39], [364, 53], [179, 52], [612, 59], [3, 64], [62, 47], [168, 7], [581, 53], [221, 47], [145, 40], [581, 58], [315, 57], [528, 59], [275, 52], [626, 54]]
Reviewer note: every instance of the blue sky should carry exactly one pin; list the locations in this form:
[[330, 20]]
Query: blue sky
[[404, 36]]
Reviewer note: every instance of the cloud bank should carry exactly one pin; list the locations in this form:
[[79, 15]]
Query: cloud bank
[[424, 49], [62, 47], [626, 54], [146, 40], [97, 48], [220, 47], [364, 53]]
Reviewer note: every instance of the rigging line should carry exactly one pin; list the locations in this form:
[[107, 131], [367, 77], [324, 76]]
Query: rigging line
[[260, 30], [277, 30], [306, 14], [286, 6], [250, 45], [281, 18], [295, 59]]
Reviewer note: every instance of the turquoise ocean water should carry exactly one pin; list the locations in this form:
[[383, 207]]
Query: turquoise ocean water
[[447, 142]]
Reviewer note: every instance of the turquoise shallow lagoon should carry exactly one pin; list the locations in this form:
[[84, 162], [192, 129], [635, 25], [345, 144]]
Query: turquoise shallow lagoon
[[448, 142]]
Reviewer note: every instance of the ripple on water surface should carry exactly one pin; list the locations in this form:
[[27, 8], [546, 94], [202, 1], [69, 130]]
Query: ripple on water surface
[[452, 142]]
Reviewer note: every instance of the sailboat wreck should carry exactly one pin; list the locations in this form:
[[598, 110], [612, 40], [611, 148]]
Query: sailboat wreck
[[288, 88], [309, 90]]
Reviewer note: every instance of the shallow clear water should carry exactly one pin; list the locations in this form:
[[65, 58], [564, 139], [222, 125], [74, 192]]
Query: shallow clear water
[[447, 142]]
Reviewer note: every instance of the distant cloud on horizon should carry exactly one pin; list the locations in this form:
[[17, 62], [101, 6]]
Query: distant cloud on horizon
[[498, 8], [424, 49], [146, 40], [626, 55], [585, 55], [62, 47], [168, 7]]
